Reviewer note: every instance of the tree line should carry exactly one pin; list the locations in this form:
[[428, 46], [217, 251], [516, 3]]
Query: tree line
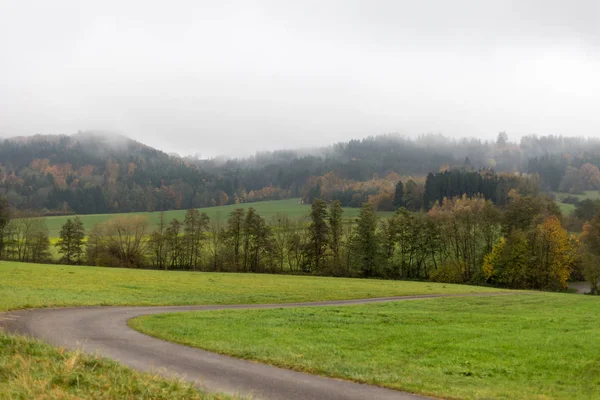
[[390, 192], [459, 240]]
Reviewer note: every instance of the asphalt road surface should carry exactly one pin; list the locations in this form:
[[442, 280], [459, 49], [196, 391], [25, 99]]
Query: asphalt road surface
[[104, 331]]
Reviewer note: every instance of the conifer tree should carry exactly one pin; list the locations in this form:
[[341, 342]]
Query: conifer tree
[[365, 241], [335, 227], [70, 242], [318, 233], [399, 195]]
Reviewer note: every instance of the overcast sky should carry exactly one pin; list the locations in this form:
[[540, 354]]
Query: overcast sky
[[233, 77]]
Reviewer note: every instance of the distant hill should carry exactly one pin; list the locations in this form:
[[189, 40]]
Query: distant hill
[[95, 172], [99, 172]]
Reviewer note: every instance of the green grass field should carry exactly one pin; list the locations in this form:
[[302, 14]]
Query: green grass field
[[24, 285], [528, 346], [30, 369], [567, 209], [266, 209]]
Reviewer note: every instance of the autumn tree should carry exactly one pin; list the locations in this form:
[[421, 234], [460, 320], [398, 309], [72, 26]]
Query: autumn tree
[[508, 263], [551, 255], [463, 227], [490, 218], [590, 238], [522, 212], [119, 242]]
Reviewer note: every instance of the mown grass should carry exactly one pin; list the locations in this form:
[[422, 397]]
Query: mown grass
[[30, 369], [524, 346], [266, 209], [24, 285]]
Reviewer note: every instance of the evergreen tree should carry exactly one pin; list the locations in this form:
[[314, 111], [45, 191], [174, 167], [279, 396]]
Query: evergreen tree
[[335, 227], [70, 242], [430, 196], [318, 233], [365, 242], [399, 195], [259, 240]]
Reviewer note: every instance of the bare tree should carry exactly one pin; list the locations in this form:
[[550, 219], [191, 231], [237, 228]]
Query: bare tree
[[217, 237], [119, 242], [26, 238]]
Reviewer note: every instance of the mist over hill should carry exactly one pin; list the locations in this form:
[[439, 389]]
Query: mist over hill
[[99, 172]]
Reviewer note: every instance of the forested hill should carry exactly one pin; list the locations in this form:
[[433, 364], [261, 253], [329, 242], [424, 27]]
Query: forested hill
[[95, 173], [98, 172]]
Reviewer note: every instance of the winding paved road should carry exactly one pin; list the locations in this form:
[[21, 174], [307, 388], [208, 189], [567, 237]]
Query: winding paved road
[[104, 330]]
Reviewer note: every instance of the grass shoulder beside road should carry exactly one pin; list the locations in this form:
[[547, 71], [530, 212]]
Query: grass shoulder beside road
[[24, 285], [530, 346], [30, 369]]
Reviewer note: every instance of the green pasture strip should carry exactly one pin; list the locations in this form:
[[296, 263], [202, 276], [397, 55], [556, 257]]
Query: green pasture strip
[[24, 285], [567, 209], [267, 209]]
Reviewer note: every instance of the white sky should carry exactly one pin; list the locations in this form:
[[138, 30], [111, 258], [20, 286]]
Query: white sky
[[234, 77]]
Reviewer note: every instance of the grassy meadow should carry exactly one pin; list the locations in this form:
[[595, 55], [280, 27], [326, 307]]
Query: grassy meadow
[[24, 285], [567, 209], [526, 346], [266, 209], [31, 369]]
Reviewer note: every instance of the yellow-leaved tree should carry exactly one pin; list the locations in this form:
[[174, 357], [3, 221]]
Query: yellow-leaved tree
[[553, 255], [492, 261]]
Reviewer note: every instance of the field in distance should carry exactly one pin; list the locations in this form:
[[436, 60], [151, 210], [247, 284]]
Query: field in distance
[[524, 346], [267, 209], [567, 209], [24, 285]]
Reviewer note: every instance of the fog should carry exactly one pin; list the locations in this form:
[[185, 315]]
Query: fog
[[236, 77]]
